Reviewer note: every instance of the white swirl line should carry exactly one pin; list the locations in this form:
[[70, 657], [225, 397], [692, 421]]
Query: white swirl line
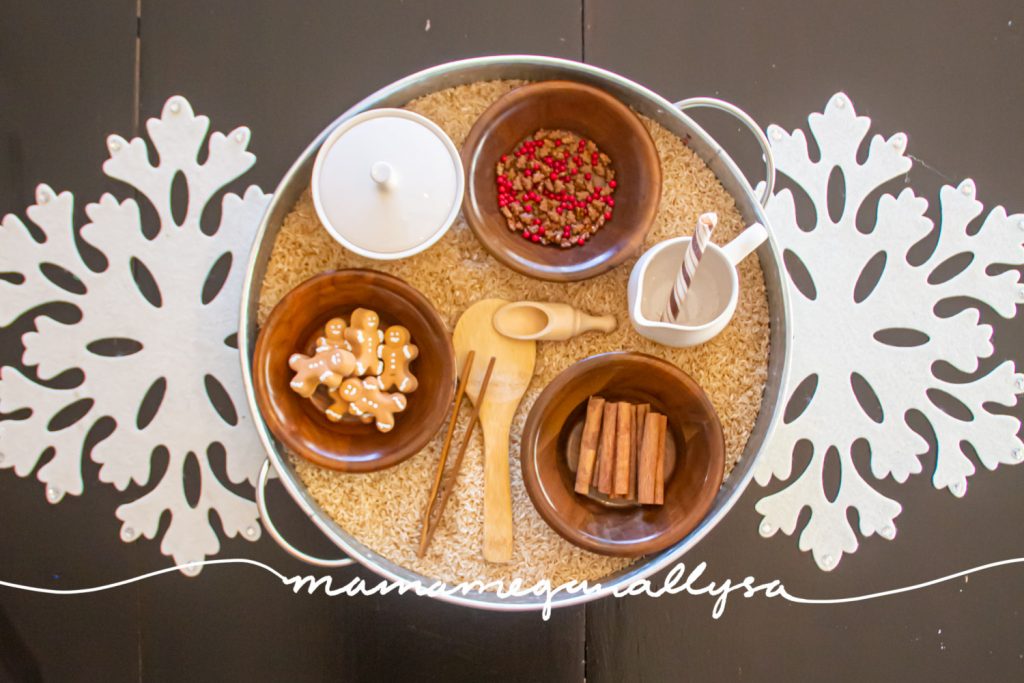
[[125, 582], [895, 591], [776, 590]]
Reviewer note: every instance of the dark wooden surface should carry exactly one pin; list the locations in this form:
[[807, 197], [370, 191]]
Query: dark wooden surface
[[946, 72]]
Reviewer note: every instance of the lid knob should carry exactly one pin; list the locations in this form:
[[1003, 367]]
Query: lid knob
[[383, 175]]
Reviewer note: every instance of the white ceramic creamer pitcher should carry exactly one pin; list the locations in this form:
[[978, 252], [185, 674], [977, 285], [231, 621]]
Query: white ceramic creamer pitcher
[[711, 300]]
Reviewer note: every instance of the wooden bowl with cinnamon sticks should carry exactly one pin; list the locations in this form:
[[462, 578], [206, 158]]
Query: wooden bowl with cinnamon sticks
[[623, 454]]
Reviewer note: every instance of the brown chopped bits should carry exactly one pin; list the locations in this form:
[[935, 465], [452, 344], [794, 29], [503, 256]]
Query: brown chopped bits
[[556, 188]]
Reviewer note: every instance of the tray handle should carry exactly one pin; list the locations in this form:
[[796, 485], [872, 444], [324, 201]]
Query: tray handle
[[268, 524], [744, 118]]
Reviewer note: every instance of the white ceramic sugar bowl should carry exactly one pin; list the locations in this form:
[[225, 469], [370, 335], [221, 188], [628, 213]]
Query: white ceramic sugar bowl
[[387, 183]]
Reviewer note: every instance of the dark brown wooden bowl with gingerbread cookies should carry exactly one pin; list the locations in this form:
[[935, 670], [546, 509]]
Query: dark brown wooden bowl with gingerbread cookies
[[562, 180], [588, 480], [354, 370]]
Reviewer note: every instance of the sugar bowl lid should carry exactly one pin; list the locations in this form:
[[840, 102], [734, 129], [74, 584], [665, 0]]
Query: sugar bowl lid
[[387, 183]]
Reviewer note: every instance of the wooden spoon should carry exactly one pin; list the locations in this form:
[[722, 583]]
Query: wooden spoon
[[512, 372]]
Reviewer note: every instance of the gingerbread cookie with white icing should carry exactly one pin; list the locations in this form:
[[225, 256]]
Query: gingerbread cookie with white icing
[[334, 336], [365, 397], [363, 335], [396, 354], [339, 408], [328, 367]]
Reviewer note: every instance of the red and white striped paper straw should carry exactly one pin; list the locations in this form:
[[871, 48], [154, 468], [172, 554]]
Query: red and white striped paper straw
[[701, 236]]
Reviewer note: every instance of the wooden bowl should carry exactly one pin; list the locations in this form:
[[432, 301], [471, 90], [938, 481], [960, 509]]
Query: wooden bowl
[[691, 488], [589, 112], [293, 326]]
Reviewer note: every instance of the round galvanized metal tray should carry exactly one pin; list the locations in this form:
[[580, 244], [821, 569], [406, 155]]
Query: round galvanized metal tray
[[644, 102]]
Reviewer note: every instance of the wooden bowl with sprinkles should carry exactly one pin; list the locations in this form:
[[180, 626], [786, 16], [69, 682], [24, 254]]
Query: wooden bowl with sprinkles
[[300, 423], [597, 118], [695, 456]]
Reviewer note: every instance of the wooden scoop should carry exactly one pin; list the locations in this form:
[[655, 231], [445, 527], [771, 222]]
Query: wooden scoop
[[511, 375], [548, 321]]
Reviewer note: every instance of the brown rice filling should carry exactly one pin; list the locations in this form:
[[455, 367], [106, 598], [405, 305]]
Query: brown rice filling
[[382, 509]]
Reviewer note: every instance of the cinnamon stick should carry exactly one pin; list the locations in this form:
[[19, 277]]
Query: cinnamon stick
[[659, 477], [606, 449], [638, 434], [623, 448], [588, 444], [648, 466]]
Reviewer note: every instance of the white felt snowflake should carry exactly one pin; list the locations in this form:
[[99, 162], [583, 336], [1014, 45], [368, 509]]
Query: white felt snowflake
[[177, 342], [843, 339]]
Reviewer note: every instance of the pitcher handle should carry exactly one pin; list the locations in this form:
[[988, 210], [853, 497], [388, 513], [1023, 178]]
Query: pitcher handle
[[744, 243], [268, 524], [744, 118]]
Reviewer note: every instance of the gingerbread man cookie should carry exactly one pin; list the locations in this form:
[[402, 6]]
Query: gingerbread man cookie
[[328, 367], [396, 354], [334, 336], [340, 407], [366, 398], [363, 335]]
